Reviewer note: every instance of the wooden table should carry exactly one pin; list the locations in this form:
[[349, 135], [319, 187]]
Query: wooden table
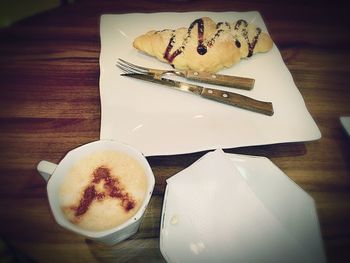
[[49, 104]]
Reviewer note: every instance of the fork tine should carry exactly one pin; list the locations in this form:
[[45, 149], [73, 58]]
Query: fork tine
[[123, 68], [128, 69], [131, 65]]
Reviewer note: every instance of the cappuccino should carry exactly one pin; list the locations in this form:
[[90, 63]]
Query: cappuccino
[[103, 190]]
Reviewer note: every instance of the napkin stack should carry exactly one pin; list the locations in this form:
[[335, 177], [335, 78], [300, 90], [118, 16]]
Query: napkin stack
[[215, 216]]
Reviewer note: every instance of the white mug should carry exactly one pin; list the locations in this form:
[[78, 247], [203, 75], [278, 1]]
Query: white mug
[[54, 175]]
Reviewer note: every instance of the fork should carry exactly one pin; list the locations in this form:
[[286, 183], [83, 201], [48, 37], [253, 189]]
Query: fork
[[217, 79]]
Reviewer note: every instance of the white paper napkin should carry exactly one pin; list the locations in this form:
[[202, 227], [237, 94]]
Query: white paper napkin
[[216, 217]]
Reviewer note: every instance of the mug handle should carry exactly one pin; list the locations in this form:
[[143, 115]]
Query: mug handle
[[46, 169]]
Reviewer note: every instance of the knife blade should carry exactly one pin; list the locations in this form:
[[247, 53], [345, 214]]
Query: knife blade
[[225, 97]]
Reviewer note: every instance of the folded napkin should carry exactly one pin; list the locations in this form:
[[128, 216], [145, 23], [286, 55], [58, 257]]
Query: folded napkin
[[215, 216]]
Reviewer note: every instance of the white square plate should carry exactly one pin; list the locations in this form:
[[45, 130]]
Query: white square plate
[[160, 121]]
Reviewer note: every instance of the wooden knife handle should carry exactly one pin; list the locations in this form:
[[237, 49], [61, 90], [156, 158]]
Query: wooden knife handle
[[222, 80], [238, 100]]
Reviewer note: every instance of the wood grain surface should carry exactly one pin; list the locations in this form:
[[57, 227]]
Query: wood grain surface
[[49, 104]]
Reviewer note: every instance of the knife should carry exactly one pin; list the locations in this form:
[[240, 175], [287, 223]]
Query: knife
[[229, 98]]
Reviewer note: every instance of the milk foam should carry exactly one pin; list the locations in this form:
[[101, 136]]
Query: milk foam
[[107, 211]]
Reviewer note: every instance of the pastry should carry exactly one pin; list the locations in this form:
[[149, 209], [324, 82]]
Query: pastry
[[205, 45]]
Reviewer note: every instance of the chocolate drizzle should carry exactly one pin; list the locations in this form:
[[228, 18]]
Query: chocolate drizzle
[[242, 25], [210, 43], [202, 47], [252, 44], [221, 24], [167, 55], [240, 22], [237, 43]]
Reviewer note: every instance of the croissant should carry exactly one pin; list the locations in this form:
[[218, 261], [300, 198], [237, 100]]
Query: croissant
[[205, 45]]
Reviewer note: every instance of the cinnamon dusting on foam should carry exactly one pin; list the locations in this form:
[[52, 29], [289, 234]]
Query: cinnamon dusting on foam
[[111, 187]]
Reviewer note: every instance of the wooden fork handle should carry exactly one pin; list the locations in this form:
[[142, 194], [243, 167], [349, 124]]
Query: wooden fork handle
[[222, 80]]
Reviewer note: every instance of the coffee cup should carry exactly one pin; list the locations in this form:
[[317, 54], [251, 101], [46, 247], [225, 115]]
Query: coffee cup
[[99, 190]]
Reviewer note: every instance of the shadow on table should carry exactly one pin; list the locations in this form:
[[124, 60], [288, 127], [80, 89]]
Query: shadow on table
[[141, 247], [130, 250], [269, 151], [9, 254]]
